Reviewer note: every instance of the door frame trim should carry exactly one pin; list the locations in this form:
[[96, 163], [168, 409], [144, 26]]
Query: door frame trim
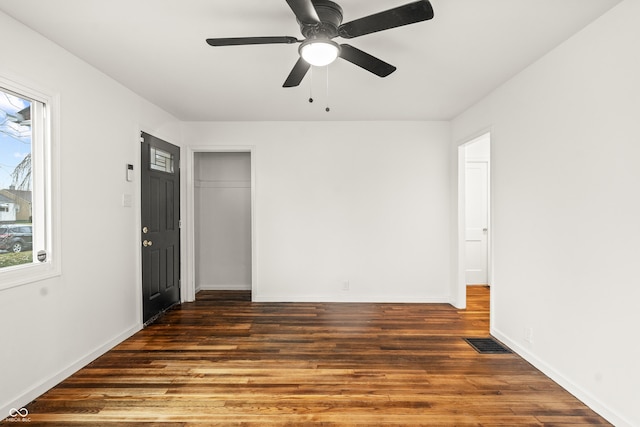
[[189, 285]]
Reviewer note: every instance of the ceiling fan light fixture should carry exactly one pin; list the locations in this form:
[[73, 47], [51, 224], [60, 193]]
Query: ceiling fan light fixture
[[319, 52]]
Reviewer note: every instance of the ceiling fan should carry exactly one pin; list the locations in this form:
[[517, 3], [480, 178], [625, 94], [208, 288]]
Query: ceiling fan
[[321, 21]]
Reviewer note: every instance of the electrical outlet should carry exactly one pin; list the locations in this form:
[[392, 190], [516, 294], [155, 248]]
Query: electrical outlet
[[345, 285], [528, 335]]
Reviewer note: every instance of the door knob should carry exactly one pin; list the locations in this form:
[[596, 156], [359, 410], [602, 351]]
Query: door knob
[[147, 243]]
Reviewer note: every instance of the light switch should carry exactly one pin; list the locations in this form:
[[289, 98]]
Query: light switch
[[127, 200]]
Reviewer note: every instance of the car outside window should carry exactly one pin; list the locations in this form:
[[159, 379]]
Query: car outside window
[[27, 188]]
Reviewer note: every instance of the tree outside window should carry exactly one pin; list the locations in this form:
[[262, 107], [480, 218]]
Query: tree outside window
[[16, 214], [29, 210]]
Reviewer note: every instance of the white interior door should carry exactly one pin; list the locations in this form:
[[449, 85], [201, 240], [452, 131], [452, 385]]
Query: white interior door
[[476, 222]]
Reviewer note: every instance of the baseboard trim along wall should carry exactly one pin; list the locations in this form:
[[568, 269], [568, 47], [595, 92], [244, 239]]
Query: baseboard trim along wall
[[49, 383], [367, 299], [581, 394], [224, 287]]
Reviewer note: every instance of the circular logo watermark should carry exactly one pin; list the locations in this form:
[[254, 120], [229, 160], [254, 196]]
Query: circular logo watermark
[[19, 415]]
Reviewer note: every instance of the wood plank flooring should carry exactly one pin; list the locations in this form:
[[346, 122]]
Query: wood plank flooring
[[224, 361]]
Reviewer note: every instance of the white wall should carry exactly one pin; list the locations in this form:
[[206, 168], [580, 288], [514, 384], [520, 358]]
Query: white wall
[[565, 137], [364, 202], [222, 221], [52, 327]]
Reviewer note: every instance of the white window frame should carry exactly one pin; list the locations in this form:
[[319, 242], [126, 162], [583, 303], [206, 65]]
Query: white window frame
[[45, 187]]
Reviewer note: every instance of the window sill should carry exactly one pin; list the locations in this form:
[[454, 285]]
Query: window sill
[[12, 277]]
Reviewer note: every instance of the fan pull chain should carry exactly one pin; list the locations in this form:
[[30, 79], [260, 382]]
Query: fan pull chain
[[311, 87], [327, 109]]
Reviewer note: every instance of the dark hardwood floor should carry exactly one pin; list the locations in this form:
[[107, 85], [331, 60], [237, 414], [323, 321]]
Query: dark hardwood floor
[[229, 362]]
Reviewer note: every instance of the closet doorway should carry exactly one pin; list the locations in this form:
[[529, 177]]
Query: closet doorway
[[223, 221]]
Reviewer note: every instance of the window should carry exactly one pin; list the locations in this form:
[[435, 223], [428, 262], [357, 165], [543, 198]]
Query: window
[[161, 160], [26, 186]]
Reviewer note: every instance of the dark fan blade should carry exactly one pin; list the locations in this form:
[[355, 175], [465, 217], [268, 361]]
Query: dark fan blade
[[366, 61], [392, 18], [304, 11], [239, 41], [297, 74]]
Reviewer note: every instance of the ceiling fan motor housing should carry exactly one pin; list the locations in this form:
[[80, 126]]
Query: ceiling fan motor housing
[[330, 15]]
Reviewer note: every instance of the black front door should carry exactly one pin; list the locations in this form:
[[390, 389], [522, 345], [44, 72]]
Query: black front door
[[160, 234]]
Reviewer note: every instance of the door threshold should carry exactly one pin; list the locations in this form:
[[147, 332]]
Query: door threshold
[[158, 315]]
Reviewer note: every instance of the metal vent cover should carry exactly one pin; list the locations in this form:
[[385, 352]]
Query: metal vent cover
[[487, 346]]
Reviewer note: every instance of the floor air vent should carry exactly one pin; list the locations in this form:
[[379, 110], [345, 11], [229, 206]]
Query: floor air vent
[[487, 346]]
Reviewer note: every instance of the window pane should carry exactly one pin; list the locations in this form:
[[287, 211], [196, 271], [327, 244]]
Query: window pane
[[161, 160], [15, 180]]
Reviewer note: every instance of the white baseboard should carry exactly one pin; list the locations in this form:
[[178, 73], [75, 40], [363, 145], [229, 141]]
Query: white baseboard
[[223, 287], [587, 398], [49, 383], [351, 299]]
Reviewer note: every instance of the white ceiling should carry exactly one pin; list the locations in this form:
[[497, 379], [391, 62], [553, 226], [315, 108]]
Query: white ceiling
[[157, 48]]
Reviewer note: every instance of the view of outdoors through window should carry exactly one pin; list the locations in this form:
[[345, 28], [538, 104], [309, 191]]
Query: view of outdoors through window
[[15, 180]]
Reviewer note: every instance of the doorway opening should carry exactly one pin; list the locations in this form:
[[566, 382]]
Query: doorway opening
[[222, 207], [474, 215]]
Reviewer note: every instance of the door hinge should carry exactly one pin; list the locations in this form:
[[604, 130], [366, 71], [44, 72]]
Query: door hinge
[[179, 223]]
